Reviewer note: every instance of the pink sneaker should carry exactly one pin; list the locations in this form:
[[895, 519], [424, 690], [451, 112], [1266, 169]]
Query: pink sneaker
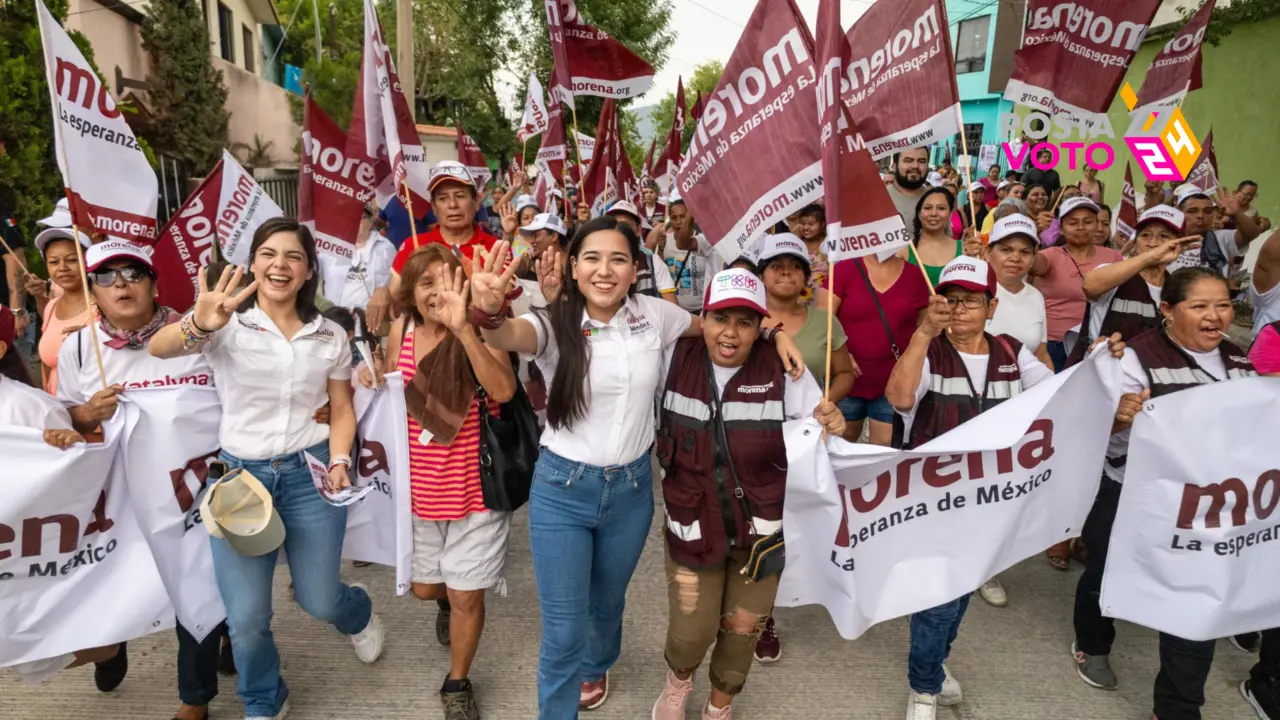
[[674, 699], [724, 713], [593, 694]]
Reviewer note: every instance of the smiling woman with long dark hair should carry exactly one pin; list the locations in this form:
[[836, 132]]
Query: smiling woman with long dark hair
[[604, 348], [277, 362]]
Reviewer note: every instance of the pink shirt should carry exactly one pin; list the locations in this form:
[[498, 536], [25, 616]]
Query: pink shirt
[[868, 341], [1063, 287], [1265, 352]]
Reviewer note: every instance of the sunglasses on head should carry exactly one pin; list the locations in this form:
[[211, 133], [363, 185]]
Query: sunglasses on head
[[132, 274]]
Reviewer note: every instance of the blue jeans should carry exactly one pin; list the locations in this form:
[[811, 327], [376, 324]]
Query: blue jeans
[[587, 526], [314, 531], [1057, 353], [932, 632], [858, 409]]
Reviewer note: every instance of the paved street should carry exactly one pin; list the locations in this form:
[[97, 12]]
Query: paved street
[[1013, 662]]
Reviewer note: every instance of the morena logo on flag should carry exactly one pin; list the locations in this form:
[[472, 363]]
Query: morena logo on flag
[[1163, 143]]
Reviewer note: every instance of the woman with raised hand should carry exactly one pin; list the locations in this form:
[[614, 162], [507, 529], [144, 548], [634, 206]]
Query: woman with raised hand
[[277, 362], [1186, 352], [459, 545], [591, 506]]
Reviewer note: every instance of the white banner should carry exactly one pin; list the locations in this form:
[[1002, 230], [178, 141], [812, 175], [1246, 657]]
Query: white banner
[[110, 185], [75, 571], [876, 534], [1194, 549], [170, 436], [586, 146], [242, 208], [379, 528], [536, 118]]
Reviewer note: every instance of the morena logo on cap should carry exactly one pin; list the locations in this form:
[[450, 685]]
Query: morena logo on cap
[[728, 281], [963, 267]]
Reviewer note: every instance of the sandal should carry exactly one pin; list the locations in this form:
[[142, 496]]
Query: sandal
[[1059, 557]]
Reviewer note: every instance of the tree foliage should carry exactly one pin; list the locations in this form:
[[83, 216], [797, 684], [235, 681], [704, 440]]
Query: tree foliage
[[1223, 19], [705, 78], [187, 94], [29, 180]]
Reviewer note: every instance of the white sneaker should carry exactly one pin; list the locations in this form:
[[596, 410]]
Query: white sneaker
[[284, 710], [922, 706], [993, 592], [951, 693], [368, 642]]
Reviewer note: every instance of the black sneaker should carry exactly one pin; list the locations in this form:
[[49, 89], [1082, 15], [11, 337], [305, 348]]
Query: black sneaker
[[1264, 697], [459, 700], [1247, 642], [442, 621], [108, 675], [226, 659]]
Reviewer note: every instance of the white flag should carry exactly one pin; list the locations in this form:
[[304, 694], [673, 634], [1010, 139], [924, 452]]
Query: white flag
[[242, 209], [1196, 541], [535, 120], [110, 185]]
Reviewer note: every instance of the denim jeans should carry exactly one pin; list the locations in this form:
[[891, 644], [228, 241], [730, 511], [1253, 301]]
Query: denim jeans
[[198, 665], [587, 526], [314, 531], [932, 632], [1057, 353], [1184, 669]]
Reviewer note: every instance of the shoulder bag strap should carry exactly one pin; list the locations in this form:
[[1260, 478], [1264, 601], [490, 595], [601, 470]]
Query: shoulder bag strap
[[875, 298], [724, 457]]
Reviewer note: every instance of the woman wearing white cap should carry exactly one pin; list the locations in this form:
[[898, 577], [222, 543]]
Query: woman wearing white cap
[[123, 283], [1059, 272], [278, 361], [1011, 251], [652, 277], [952, 344], [69, 310], [715, 595], [603, 346]]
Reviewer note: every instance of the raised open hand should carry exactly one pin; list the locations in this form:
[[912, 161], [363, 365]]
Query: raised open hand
[[550, 271], [490, 282], [214, 307], [510, 223], [1229, 201], [450, 306]]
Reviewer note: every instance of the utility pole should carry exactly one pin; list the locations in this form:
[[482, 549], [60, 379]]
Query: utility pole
[[404, 51]]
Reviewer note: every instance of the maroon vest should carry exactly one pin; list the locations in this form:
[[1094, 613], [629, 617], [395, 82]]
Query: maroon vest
[[710, 508], [1131, 313], [950, 399], [1169, 369]]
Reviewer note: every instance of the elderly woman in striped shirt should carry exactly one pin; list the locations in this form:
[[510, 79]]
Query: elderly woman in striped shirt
[[459, 546]]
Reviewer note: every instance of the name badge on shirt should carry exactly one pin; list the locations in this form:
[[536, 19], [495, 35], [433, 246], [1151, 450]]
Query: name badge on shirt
[[639, 324]]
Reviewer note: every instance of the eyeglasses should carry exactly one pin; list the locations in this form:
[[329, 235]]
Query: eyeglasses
[[971, 302], [132, 274]]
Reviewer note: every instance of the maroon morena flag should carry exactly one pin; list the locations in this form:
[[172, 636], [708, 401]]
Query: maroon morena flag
[[861, 218], [696, 111], [1175, 70], [1074, 55], [470, 155], [600, 187], [589, 60], [551, 155], [900, 86], [185, 244], [333, 185], [1127, 216], [682, 112], [1204, 174], [753, 159]]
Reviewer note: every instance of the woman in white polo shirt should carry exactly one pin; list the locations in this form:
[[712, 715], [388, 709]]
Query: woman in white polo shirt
[[123, 284], [605, 349], [278, 361]]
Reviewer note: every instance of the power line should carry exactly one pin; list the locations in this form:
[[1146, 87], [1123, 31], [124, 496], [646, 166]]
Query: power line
[[718, 14]]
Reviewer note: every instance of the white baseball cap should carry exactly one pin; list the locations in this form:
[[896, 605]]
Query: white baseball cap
[[524, 201], [779, 244], [104, 252], [969, 273], [50, 234], [1076, 203], [1170, 216], [449, 171], [61, 217], [1003, 184], [1014, 225], [545, 221], [977, 187], [736, 288], [1186, 191], [624, 206], [239, 509], [935, 179]]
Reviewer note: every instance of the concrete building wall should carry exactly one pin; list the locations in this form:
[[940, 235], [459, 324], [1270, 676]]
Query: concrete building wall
[[977, 105], [116, 40], [259, 107]]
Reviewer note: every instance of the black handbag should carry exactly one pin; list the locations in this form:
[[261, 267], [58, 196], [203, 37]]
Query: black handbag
[[508, 450]]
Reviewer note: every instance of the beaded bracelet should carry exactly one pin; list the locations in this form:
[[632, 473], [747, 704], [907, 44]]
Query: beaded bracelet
[[192, 336], [490, 321]]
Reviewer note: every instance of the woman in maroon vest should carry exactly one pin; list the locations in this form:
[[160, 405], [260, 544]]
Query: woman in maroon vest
[[943, 379], [1124, 297], [721, 445], [1188, 351]]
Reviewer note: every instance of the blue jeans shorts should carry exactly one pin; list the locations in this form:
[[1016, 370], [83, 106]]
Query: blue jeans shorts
[[858, 409]]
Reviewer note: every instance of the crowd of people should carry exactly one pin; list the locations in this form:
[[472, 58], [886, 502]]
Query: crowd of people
[[585, 321]]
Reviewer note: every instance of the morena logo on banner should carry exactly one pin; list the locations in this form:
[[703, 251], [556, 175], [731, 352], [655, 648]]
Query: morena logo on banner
[[1162, 142]]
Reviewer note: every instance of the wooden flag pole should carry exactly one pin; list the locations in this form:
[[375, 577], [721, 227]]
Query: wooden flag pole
[[582, 169], [968, 174], [524, 148], [21, 266], [408, 205]]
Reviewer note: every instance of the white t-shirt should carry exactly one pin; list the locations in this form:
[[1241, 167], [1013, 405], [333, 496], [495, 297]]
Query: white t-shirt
[[1135, 381], [78, 377], [369, 270], [1098, 309], [271, 386], [691, 282], [1030, 368], [1266, 307], [661, 276], [1021, 315], [628, 359], [800, 397], [26, 406], [1226, 240]]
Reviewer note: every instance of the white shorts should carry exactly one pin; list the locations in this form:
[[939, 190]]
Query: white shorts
[[466, 554]]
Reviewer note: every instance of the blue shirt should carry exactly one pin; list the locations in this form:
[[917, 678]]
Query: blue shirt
[[397, 219]]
